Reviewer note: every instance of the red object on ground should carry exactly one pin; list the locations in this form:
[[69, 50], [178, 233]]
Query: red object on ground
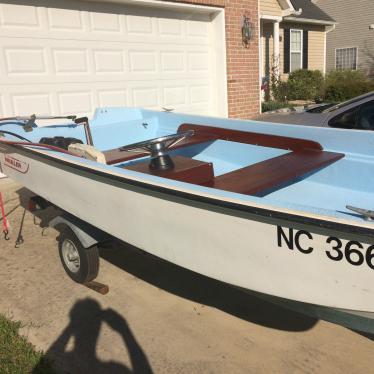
[[5, 222]]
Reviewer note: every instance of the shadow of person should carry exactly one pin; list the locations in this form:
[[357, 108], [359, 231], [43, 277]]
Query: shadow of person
[[86, 318]]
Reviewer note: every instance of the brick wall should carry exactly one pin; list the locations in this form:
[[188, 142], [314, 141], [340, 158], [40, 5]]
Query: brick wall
[[242, 63]]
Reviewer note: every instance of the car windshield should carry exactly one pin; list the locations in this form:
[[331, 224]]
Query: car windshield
[[349, 102]]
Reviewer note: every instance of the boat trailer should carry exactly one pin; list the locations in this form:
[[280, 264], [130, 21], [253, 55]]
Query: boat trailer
[[78, 244]]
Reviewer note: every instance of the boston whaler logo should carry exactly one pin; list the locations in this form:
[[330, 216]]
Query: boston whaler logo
[[16, 164]]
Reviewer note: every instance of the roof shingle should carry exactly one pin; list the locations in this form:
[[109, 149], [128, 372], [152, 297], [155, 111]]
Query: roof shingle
[[310, 11]]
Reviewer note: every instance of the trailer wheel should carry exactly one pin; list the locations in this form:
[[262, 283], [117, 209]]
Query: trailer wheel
[[81, 264]]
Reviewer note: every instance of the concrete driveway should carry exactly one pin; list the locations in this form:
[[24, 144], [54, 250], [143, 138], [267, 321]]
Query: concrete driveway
[[157, 317]]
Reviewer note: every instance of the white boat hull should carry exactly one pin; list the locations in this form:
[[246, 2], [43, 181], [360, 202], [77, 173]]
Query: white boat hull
[[251, 254]]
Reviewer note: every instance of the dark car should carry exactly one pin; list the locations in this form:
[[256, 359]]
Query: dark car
[[357, 113]]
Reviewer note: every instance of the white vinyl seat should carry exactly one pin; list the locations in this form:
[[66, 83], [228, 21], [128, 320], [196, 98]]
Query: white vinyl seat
[[88, 152]]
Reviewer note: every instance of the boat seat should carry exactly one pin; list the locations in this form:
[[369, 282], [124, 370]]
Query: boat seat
[[87, 151], [265, 176], [265, 140], [185, 169], [115, 156]]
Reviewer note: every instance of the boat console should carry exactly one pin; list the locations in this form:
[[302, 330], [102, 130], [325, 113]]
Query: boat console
[[184, 169], [302, 157], [158, 149]]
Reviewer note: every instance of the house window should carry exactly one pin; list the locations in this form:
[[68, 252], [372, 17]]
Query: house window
[[296, 50], [346, 58]]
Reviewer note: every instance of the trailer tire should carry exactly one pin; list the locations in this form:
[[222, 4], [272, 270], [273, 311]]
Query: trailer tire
[[81, 264]]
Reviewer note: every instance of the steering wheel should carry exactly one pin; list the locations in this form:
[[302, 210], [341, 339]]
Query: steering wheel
[[158, 148]]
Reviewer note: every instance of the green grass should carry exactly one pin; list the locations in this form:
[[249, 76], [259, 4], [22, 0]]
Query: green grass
[[17, 355]]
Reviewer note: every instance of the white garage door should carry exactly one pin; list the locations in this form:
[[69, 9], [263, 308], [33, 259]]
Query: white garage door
[[69, 57]]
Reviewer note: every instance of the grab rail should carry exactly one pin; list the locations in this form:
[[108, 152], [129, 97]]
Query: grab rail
[[28, 123]]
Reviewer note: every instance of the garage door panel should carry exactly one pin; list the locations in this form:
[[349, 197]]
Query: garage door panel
[[200, 94], [75, 56], [66, 20], [170, 27], [27, 61], [67, 24], [110, 37], [24, 60], [142, 61], [198, 61], [82, 99], [112, 97], [69, 61], [175, 96], [147, 97], [106, 22], [19, 16], [75, 102], [32, 103], [173, 61], [109, 61]]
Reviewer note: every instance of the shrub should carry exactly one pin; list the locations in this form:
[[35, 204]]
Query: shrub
[[341, 85], [268, 106], [304, 84], [280, 91]]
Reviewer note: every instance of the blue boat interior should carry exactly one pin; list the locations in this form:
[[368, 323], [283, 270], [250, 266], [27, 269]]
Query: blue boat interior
[[309, 168]]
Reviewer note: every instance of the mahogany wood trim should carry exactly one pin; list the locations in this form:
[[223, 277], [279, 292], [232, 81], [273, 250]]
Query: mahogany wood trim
[[265, 140], [185, 169], [275, 172], [208, 133]]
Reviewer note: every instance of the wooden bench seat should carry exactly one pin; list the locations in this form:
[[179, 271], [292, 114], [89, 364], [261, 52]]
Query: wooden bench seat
[[264, 140], [273, 173]]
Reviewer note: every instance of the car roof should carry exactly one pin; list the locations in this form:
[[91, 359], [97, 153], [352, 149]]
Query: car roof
[[355, 100]]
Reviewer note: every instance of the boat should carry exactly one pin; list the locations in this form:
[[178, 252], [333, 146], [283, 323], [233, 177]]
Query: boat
[[281, 210]]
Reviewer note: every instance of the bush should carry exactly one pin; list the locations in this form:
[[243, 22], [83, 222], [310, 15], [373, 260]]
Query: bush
[[341, 85], [336, 87], [305, 84], [268, 106], [279, 90]]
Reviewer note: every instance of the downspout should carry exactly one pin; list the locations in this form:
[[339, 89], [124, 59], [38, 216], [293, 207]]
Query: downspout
[[327, 30], [259, 56]]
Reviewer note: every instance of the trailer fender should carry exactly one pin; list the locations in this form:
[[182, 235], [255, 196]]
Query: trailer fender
[[86, 233]]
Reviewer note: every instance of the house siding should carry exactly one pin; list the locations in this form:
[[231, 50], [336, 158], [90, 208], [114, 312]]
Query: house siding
[[316, 35], [316, 49], [243, 86], [316, 43], [352, 30], [270, 8]]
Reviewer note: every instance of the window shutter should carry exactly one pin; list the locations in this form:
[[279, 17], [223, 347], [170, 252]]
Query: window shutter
[[305, 49], [286, 50]]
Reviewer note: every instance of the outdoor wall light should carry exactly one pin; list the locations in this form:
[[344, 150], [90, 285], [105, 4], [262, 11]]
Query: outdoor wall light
[[247, 31]]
